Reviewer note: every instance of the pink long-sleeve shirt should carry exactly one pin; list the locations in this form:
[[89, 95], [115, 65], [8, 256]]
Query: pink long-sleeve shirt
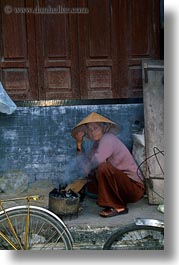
[[110, 148]]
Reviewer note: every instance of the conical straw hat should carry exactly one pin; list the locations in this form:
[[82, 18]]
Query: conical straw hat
[[95, 117]]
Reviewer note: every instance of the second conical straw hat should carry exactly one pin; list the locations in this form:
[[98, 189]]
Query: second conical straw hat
[[95, 117]]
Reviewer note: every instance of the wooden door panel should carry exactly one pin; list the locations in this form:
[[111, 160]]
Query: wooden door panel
[[17, 65], [56, 37], [99, 82], [16, 81], [57, 53], [139, 28], [98, 49], [14, 29], [143, 35], [99, 22], [58, 82]]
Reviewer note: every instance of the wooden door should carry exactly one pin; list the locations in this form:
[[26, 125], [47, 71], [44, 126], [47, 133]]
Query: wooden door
[[17, 51], [77, 56], [142, 40], [57, 52], [113, 39], [98, 49]]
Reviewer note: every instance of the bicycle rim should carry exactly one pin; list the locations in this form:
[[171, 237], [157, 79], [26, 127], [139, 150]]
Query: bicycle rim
[[135, 237], [45, 232]]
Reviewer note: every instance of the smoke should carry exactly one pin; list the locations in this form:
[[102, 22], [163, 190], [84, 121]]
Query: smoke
[[77, 167]]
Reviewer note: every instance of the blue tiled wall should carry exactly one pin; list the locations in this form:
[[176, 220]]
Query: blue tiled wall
[[37, 140]]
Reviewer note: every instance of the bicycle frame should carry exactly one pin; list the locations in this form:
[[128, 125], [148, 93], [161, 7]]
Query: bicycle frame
[[4, 211], [28, 207]]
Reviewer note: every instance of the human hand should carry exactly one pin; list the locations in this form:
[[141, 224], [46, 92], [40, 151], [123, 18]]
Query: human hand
[[79, 137]]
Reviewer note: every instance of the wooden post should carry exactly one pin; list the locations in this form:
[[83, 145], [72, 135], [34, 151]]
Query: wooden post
[[153, 96]]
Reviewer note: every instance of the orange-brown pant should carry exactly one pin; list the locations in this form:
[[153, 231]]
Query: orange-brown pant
[[114, 188]]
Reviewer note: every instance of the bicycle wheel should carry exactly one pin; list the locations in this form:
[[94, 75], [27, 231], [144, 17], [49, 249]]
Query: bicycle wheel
[[46, 230], [136, 237]]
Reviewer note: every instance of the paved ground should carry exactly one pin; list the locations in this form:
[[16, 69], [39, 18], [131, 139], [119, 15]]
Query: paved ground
[[90, 214], [90, 231]]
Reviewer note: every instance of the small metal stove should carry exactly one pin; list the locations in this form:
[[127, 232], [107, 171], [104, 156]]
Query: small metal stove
[[64, 203]]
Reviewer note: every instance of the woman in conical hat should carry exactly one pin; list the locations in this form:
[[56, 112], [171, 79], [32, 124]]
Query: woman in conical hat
[[95, 117], [110, 163]]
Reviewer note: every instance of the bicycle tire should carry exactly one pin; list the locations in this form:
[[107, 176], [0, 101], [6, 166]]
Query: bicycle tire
[[46, 230], [136, 237]]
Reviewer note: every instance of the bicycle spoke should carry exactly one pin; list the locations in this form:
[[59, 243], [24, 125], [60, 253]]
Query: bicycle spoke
[[136, 237], [45, 232], [10, 230], [51, 242]]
